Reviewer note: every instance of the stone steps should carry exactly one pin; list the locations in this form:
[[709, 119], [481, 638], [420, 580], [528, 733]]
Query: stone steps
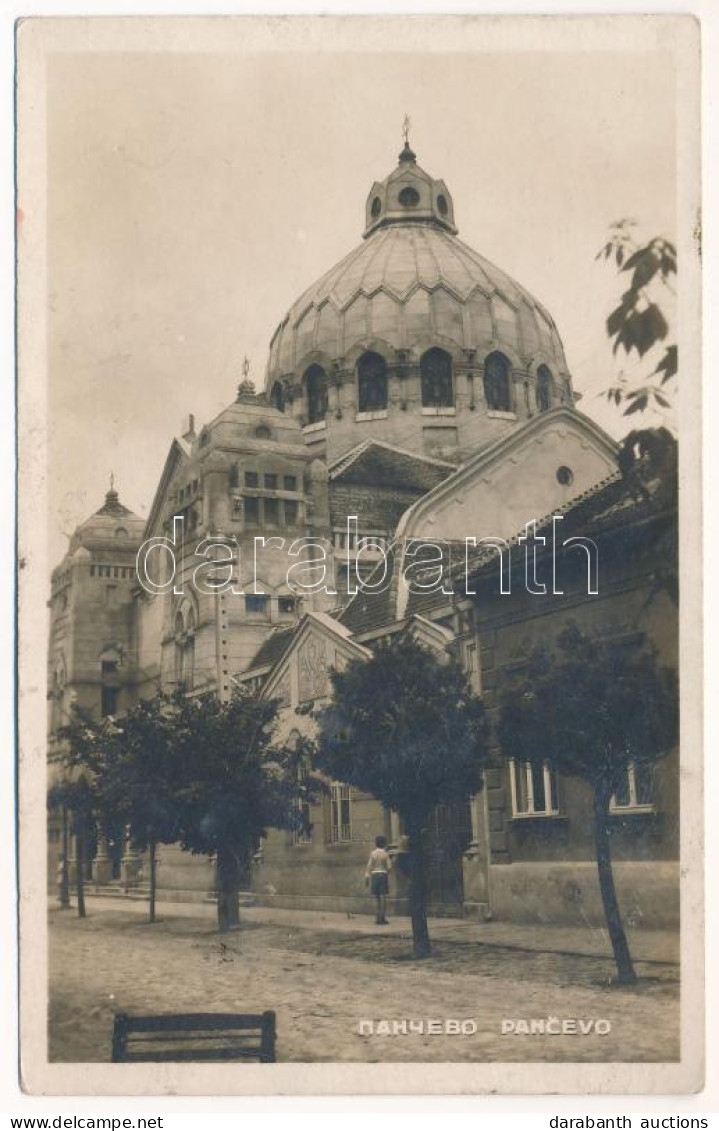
[[141, 891]]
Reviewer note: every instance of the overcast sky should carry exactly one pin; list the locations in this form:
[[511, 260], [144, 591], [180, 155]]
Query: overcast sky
[[192, 198]]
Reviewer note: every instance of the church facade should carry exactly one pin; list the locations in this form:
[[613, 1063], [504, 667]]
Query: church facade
[[414, 393]]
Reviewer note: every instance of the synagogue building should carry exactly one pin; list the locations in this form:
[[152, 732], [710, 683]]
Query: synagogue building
[[419, 392]]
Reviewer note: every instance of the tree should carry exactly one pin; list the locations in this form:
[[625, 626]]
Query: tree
[[406, 727], [135, 776], [77, 796], [592, 709], [231, 783], [638, 324]]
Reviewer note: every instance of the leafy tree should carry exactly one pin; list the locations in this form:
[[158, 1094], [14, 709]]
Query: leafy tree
[[638, 323], [77, 796], [135, 777], [591, 708], [406, 727], [231, 783]]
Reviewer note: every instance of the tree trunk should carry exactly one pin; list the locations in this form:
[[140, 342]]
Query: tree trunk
[[618, 938], [421, 945], [228, 890], [65, 869], [153, 879], [79, 869]]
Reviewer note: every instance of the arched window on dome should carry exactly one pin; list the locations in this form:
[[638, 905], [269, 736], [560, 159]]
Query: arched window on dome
[[315, 381], [372, 382], [497, 383], [277, 396], [544, 389], [435, 368]]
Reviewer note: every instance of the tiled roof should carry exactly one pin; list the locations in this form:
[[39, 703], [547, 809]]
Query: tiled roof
[[373, 461], [609, 503], [272, 649]]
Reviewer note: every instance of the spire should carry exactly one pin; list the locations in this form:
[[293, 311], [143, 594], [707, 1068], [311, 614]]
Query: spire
[[112, 504], [407, 154], [246, 388], [112, 498]]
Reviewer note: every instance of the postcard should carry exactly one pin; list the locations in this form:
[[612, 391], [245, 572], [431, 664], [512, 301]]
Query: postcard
[[360, 680]]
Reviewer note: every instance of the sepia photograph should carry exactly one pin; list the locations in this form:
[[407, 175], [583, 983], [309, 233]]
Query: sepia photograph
[[360, 539]]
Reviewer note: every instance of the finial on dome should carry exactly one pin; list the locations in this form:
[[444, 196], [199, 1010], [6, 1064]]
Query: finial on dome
[[407, 154], [246, 388], [111, 496]]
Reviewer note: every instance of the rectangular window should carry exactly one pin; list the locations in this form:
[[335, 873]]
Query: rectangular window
[[256, 605], [533, 788], [291, 512], [290, 482], [303, 834], [195, 485], [252, 479], [286, 606], [338, 814], [271, 481], [109, 701], [272, 512], [109, 667], [636, 790], [252, 512]]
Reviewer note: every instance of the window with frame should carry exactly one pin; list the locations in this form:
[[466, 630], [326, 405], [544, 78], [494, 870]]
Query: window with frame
[[252, 511], [272, 512], [277, 397], [533, 789], [636, 791], [286, 606], [291, 512], [497, 386], [303, 833], [544, 389], [316, 389], [371, 383], [435, 368], [256, 605], [252, 479], [108, 702], [290, 482], [271, 480], [338, 814]]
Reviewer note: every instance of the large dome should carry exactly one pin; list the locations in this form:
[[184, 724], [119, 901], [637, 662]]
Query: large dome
[[408, 283], [413, 289]]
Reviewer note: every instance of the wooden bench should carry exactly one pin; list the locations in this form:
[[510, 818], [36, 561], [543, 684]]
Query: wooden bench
[[194, 1037]]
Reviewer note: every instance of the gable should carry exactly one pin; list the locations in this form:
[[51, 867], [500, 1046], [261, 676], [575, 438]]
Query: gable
[[302, 674], [175, 458], [527, 475]]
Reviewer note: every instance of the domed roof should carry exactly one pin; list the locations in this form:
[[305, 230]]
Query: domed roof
[[412, 283], [113, 521]]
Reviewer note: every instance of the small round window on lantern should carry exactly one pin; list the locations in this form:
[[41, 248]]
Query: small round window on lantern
[[442, 205], [565, 476], [409, 197], [376, 207]]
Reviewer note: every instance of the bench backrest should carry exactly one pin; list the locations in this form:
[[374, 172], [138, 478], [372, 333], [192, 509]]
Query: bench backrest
[[194, 1037]]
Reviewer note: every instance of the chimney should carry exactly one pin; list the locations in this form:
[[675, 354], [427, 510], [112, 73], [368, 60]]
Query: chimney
[[189, 431]]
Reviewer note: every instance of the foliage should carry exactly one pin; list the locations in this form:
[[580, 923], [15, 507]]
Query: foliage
[[406, 727], [231, 782], [638, 323], [591, 707]]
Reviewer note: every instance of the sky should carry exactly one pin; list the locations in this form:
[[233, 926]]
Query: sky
[[193, 197]]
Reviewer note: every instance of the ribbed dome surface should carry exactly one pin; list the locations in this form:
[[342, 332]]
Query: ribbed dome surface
[[407, 284]]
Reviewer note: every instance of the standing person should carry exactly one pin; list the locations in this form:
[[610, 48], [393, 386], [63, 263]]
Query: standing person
[[376, 875]]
